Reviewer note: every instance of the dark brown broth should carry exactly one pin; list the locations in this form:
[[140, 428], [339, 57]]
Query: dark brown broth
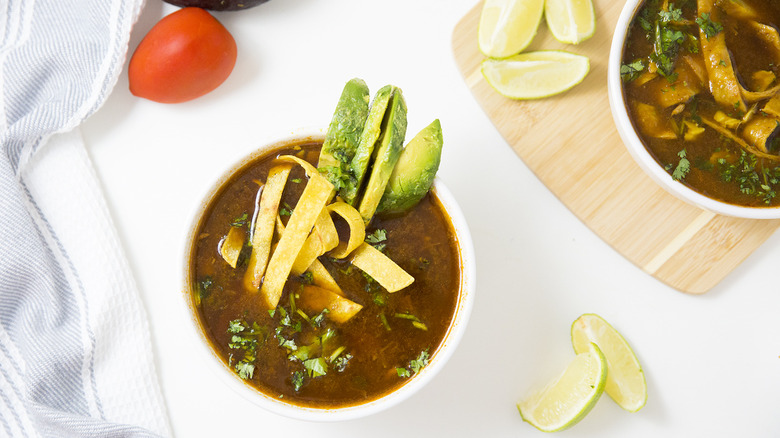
[[421, 241], [750, 54]]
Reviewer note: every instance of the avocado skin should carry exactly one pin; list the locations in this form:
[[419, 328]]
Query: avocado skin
[[371, 133], [343, 136], [218, 5], [414, 173], [385, 156]]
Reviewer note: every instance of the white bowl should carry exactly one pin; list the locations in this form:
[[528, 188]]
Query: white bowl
[[638, 150], [414, 384]]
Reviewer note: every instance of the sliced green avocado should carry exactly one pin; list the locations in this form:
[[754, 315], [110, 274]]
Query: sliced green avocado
[[385, 156], [414, 173], [343, 135], [371, 132]]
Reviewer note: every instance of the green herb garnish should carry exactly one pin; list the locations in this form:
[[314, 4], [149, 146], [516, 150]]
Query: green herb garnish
[[240, 221], [629, 72], [709, 27], [683, 167]]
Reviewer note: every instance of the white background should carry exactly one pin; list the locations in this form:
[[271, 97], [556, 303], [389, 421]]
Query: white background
[[711, 361]]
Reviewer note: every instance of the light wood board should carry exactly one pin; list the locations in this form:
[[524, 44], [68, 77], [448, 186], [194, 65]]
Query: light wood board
[[570, 142]]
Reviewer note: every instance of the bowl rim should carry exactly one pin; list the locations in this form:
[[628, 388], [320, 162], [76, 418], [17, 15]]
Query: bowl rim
[[638, 150], [198, 341]]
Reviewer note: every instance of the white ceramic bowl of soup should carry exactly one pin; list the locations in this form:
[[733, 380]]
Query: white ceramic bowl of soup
[[638, 150], [201, 346]]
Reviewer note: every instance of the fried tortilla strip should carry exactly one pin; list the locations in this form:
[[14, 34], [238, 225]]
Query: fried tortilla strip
[[263, 232], [320, 275], [761, 131], [322, 239], [307, 210], [323, 279], [357, 229], [374, 263], [650, 121], [313, 299], [724, 86], [231, 246]]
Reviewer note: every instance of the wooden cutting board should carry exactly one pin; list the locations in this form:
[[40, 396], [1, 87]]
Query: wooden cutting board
[[570, 142]]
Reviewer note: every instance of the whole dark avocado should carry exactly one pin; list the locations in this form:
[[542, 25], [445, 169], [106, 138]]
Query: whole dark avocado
[[218, 5]]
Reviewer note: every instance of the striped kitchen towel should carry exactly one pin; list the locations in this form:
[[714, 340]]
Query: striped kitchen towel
[[75, 353]]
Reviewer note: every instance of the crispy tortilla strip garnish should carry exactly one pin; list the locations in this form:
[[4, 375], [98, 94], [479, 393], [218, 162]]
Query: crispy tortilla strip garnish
[[323, 279], [231, 245], [263, 232], [313, 199], [357, 229], [374, 263], [313, 300], [322, 239], [724, 86], [650, 121], [772, 107], [760, 131]]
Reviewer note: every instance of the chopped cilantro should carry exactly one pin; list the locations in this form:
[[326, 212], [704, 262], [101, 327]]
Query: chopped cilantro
[[245, 369], [415, 365], [672, 14], [296, 180], [245, 338], [297, 380], [307, 277], [402, 372], [420, 362], [341, 362], [629, 72], [753, 178], [240, 221], [204, 286], [316, 367], [377, 239], [709, 27], [683, 167]]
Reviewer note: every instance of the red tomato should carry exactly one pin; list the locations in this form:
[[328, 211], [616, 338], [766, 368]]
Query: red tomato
[[186, 55]]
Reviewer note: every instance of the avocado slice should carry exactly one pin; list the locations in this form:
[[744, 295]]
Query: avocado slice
[[414, 173], [385, 156], [343, 136], [371, 132]]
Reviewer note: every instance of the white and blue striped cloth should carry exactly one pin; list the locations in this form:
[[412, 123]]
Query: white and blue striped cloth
[[75, 353]]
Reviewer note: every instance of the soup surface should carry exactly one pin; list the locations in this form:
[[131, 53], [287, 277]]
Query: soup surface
[[701, 86], [307, 359]]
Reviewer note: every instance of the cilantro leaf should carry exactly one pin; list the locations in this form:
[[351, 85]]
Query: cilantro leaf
[[297, 380], [709, 27], [629, 72], [240, 221], [683, 167], [316, 367]]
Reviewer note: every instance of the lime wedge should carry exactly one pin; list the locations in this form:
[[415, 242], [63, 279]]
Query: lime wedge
[[625, 381], [535, 75], [570, 21], [507, 26], [567, 399]]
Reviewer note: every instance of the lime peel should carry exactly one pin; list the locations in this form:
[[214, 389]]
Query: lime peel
[[626, 383], [568, 398]]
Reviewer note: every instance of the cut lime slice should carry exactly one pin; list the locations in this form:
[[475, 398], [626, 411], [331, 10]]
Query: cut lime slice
[[570, 21], [625, 381], [507, 26], [566, 400], [535, 75]]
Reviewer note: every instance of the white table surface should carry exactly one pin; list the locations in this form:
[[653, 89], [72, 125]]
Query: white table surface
[[711, 361]]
